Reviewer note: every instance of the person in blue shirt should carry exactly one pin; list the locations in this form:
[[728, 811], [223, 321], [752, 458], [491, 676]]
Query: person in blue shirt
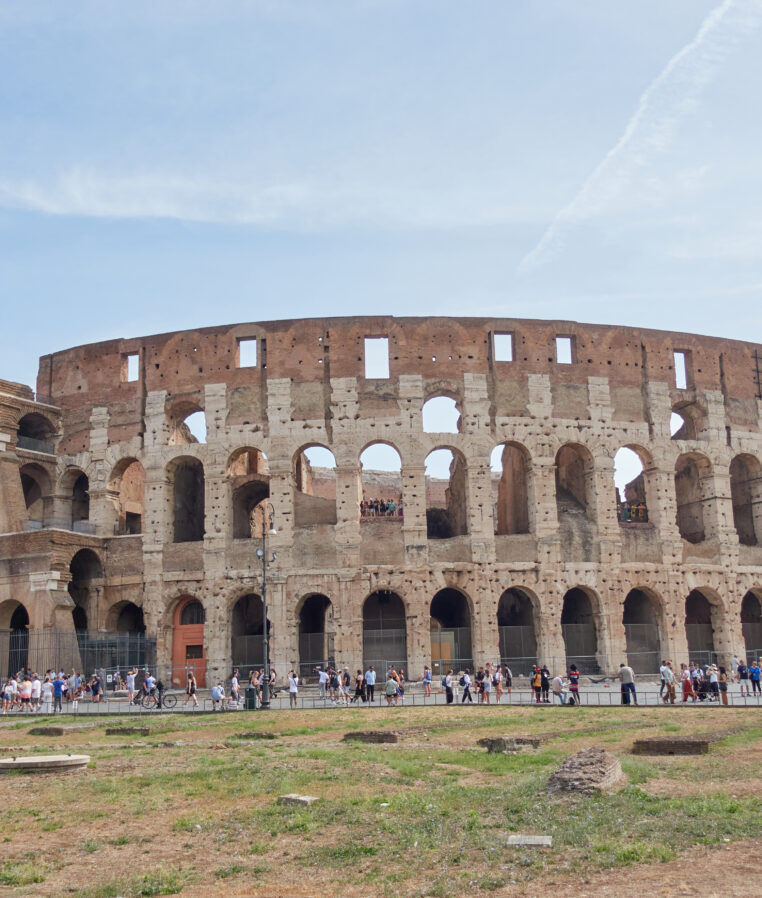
[[58, 690], [754, 675]]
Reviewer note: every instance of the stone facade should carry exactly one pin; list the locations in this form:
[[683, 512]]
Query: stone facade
[[160, 517]]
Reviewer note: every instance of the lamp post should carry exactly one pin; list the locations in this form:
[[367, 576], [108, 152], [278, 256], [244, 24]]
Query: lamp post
[[268, 529]]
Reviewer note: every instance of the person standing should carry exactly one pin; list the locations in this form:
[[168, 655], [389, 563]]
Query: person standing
[[190, 690], [574, 683], [465, 682], [58, 689], [47, 695], [370, 683], [322, 682], [426, 682], [359, 687], [686, 683], [724, 686], [755, 673], [663, 685], [743, 677], [537, 685], [497, 682], [391, 688], [235, 687], [131, 685], [293, 690], [487, 688], [627, 678], [669, 684], [36, 692], [545, 683], [448, 687]]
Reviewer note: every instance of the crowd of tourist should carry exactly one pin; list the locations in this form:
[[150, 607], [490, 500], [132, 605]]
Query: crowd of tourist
[[27, 692], [380, 508]]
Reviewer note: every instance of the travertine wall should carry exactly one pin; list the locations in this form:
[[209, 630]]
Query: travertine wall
[[309, 388]]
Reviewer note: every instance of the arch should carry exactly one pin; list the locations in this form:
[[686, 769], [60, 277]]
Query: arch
[[14, 619], [692, 471], [86, 572], [641, 618], [247, 632], [381, 481], [125, 617], [314, 471], [746, 496], [517, 630], [450, 627], [632, 484], [511, 491], [703, 620], [245, 461], [127, 490], [37, 433], [440, 414], [187, 423], [36, 486], [578, 626], [384, 631], [574, 482], [188, 644], [315, 633], [446, 493], [751, 624], [186, 478], [250, 509], [687, 419]]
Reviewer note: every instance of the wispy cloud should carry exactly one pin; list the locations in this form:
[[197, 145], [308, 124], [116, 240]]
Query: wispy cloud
[[673, 95]]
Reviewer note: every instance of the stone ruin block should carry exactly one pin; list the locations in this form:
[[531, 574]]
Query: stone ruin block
[[590, 770], [371, 736], [661, 746]]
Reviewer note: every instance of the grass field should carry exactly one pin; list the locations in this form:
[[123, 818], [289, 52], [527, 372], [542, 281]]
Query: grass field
[[191, 808]]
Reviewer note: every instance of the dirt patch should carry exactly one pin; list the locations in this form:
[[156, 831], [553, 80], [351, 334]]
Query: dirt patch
[[680, 788], [590, 770]]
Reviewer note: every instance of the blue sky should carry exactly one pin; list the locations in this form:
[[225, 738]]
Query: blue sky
[[185, 164]]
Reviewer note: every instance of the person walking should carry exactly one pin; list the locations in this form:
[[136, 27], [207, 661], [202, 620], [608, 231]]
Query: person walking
[[293, 690], [359, 687], [663, 684], [391, 689], [627, 679], [448, 687], [497, 682], [686, 683], [724, 686], [235, 687], [537, 685], [322, 682], [190, 689], [465, 682], [669, 684], [573, 678], [370, 683]]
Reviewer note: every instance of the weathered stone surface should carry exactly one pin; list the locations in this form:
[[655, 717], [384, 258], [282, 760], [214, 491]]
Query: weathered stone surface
[[530, 841], [298, 800], [256, 735], [44, 763], [662, 746], [371, 736], [59, 731], [503, 744], [128, 731], [590, 770]]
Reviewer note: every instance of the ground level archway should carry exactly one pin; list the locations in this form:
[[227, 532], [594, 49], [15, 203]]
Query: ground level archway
[[247, 644], [450, 627], [315, 634], [640, 617], [516, 631], [700, 625], [579, 631], [751, 625], [384, 632], [188, 649]]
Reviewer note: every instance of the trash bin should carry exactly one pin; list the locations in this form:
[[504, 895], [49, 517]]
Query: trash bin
[[251, 698]]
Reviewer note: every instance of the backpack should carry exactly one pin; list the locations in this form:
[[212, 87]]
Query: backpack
[[494, 681], [462, 681], [444, 681]]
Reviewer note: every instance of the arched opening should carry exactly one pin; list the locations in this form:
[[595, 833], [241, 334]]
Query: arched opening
[[36, 433], [381, 481], [441, 415], [35, 484], [130, 619], [702, 619], [746, 495], [188, 651], [80, 504], [640, 617], [314, 486], [631, 487], [250, 483], [125, 644], [187, 484], [14, 627], [574, 482], [681, 427], [446, 494], [751, 625], [315, 634], [579, 631], [450, 627], [691, 474], [187, 424], [127, 492], [86, 575], [510, 468], [516, 631], [384, 637], [247, 632]]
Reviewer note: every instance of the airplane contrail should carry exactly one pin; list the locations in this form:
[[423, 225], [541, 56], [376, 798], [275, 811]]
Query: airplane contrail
[[669, 98]]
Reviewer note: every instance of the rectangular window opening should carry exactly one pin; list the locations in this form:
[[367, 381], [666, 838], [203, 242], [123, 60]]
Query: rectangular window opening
[[564, 350], [377, 357], [131, 367], [682, 369], [503, 347], [247, 353]]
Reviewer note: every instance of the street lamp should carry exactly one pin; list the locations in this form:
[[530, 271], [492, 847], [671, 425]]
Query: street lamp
[[268, 529]]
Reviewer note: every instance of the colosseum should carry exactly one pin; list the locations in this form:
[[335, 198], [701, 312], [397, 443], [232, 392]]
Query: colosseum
[[132, 535]]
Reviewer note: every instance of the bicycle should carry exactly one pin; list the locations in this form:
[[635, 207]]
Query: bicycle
[[168, 701]]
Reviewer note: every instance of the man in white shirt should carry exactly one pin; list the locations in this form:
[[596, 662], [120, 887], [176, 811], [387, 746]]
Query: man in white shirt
[[36, 693], [558, 688], [322, 682], [465, 682], [131, 685], [370, 683], [235, 687], [293, 689]]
